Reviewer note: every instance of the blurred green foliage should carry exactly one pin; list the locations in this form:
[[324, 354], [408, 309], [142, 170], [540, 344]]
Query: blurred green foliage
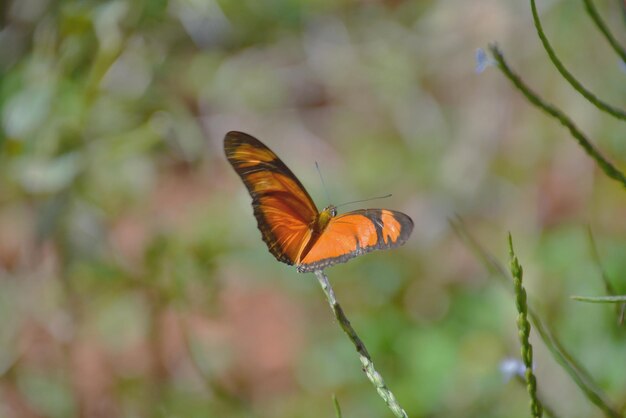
[[133, 281]]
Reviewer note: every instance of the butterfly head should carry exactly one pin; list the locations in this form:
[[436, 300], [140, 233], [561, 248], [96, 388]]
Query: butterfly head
[[325, 216], [331, 210]]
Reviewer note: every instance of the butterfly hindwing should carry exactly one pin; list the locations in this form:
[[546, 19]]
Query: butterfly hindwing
[[282, 207], [354, 233]]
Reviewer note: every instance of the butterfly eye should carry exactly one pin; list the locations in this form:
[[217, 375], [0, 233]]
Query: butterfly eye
[[333, 211]]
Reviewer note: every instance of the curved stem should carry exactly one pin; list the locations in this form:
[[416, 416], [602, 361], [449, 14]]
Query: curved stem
[[606, 166], [366, 360], [605, 107], [337, 407], [593, 13]]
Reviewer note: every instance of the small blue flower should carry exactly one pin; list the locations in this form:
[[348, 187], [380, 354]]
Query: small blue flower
[[512, 367], [482, 60]]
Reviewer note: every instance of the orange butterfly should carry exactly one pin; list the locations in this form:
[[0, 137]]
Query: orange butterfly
[[293, 229]]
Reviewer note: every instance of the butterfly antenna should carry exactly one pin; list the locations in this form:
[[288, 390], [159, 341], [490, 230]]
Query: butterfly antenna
[[317, 166], [365, 200]]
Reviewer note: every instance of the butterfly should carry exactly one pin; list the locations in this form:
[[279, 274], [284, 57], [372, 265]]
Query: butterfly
[[293, 229]]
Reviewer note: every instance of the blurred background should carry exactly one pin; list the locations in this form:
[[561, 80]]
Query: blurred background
[[133, 280]]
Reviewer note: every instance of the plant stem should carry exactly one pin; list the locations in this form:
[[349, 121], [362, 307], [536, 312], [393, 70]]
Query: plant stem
[[609, 169], [577, 372], [547, 410], [593, 13], [610, 290], [592, 98], [523, 327], [366, 360], [337, 407], [601, 299]]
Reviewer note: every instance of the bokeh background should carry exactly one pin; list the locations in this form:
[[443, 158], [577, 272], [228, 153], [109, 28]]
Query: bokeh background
[[133, 280]]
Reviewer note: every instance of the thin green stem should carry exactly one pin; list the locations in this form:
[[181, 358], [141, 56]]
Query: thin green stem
[[605, 107], [337, 407], [366, 360], [601, 299], [595, 254], [593, 13], [581, 377], [576, 371], [610, 290], [547, 411], [607, 167], [523, 326]]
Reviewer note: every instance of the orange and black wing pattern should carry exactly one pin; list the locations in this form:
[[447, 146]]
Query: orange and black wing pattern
[[291, 226], [283, 209], [354, 233]]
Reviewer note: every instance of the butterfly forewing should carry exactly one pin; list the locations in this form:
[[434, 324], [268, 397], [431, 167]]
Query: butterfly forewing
[[283, 209]]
